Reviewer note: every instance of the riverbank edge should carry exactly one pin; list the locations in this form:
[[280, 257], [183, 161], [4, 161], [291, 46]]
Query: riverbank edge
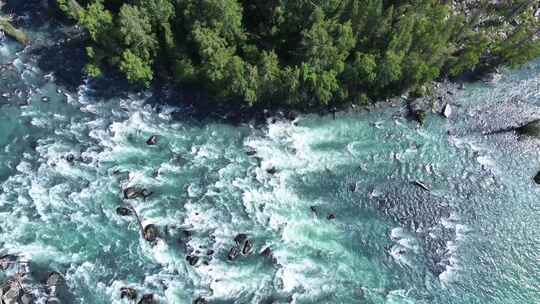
[[201, 106]]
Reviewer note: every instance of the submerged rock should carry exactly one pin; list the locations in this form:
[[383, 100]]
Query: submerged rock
[[271, 170], [359, 293]]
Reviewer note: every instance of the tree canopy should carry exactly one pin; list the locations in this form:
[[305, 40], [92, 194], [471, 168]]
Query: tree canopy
[[304, 53]]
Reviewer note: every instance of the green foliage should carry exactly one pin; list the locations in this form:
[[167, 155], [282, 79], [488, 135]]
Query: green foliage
[[136, 69], [304, 53], [96, 19]]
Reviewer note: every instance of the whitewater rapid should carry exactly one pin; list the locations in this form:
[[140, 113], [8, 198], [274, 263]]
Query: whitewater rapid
[[334, 200]]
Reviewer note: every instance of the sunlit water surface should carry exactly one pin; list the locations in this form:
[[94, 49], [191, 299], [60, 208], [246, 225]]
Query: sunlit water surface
[[474, 238]]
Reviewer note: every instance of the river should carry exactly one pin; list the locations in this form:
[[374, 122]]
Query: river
[[334, 200]]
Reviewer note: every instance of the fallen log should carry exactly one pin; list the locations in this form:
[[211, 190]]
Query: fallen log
[[422, 185]]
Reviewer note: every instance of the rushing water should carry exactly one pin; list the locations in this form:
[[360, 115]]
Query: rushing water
[[474, 238]]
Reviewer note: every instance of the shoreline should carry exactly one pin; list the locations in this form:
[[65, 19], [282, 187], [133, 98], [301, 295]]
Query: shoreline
[[199, 104]]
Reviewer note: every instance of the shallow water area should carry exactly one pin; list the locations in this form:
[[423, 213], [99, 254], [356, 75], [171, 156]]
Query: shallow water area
[[334, 200]]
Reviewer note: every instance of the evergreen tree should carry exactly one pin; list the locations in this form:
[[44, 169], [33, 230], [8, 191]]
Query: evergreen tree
[[304, 53]]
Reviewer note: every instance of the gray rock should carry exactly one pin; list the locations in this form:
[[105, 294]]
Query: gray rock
[[12, 295], [537, 178], [134, 192], [240, 238], [248, 247], [530, 129], [447, 111], [123, 211], [200, 300], [6, 261], [53, 300], [147, 299], [128, 292], [233, 253], [152, 140], [27, 299], [151, 232]]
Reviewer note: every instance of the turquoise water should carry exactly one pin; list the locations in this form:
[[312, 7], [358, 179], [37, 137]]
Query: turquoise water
[[474, 238]]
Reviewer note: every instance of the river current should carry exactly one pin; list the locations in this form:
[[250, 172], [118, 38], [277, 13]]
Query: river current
[[334, 200]]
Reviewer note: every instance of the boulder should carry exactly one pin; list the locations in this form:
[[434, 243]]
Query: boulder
[[6, 261], [200, 300], [150, 232], [267, 252], [447, 111], [54, 279], [53, 283], [192, 259], [134, 192], [147, 299], [123, 211], [70, 158], [12, 294], [152, 140], [128, 293], [233, 253], [271, 170], [27, 299], [240, 238], [248, 247]]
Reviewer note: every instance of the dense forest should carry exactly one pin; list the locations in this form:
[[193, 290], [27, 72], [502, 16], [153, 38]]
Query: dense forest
[[304, 53]]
